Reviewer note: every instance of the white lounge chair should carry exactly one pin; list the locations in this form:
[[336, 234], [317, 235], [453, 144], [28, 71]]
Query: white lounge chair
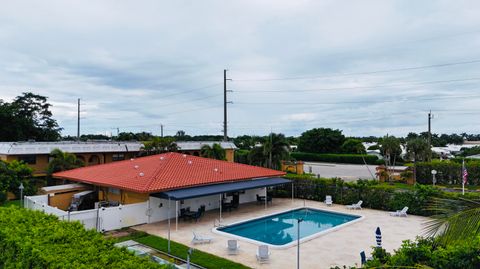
[[233, 247], [355, 206], [199, 239], [263, 254], [328, 200], [400, 213]]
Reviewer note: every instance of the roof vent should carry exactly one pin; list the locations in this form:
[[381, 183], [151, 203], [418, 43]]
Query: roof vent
[[189, 162], [216, 169], [131, 159], [161, 158], [141, 174], [136, 167], [184, 155]]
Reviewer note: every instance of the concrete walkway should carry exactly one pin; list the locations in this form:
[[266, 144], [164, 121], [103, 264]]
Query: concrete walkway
[[341, 247]]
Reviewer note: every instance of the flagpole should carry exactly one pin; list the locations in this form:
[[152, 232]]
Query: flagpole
[[463, 177]]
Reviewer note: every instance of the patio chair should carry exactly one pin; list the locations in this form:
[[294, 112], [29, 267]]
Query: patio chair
[[233, 247], [263, 254], [200, 239], [400, 213], [355, 206], [363, 258], [328, 200]]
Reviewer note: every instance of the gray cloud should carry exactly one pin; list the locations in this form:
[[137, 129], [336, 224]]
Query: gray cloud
[[137, 65]]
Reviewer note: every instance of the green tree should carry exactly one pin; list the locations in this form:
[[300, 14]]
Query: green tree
[[28, 117], [160, 145], [14, 173], [62, 161], [213, 152], [182, 136], [353, 146], [321, 140]]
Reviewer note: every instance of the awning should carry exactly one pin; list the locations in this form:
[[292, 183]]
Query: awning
[[187, 193]]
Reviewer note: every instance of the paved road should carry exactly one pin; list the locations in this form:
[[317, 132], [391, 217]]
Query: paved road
[[347, 172]]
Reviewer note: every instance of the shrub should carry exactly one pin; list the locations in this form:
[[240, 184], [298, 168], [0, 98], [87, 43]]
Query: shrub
[[335, 158], [32, 239], [461, 255]]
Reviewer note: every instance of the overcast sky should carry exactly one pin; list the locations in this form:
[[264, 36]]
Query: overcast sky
[[365, 67]]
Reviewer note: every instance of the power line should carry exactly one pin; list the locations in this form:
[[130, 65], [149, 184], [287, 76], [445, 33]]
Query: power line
[[360, 102], [361, 73], [368, 87], [192, 90]]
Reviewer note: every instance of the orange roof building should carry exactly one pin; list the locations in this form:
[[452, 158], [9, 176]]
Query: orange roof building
[[152, 182], [165, 172]]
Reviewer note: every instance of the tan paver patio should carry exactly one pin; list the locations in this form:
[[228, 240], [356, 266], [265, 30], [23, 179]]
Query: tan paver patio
[[341, 247]]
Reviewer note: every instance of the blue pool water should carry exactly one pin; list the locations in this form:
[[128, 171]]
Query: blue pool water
[[281, 229]]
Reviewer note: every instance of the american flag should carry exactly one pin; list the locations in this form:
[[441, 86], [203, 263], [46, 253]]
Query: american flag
[[465, 175]]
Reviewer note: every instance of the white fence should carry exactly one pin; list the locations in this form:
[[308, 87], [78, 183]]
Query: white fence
[[101, 219]]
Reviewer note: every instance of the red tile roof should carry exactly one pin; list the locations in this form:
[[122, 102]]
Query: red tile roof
[[163, 172]]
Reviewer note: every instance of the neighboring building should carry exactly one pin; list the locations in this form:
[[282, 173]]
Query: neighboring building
[[37, 154], [194, 147]]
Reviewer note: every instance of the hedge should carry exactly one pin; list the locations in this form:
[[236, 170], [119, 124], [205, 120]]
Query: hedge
[[373, 194], [335, 158], [32, 239], [448, 172]]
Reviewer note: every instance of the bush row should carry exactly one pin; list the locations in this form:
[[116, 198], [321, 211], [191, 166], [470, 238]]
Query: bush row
[[448, 172], [373, 194], [32, 239], [335, 158], [456, 255]]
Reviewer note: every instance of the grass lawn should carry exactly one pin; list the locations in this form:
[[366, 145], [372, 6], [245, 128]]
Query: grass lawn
[[199, 257], [11, 203]]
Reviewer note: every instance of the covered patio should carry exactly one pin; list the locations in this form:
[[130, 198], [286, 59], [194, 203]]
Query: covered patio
[[235, 189]]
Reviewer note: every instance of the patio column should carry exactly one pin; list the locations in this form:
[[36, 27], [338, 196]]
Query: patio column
[[168, 216], [292, 192], [176, 215], [266, 198], [220, 220]]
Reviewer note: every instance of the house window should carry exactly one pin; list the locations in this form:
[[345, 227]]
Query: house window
[[114, 191], [118, 157], [28, 159]]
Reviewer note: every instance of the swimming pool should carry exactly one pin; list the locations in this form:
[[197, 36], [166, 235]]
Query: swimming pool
[[280, 230]]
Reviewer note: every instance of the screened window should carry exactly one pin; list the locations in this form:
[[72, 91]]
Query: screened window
[[28, 159], [118, 157]]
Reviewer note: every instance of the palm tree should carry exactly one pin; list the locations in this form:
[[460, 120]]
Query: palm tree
[[454, 219], [62, 161], [275, 149], [390, 149], [213, 152], [417, 150]]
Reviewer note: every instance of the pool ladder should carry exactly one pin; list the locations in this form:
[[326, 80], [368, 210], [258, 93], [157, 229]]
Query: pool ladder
[[217, 223]]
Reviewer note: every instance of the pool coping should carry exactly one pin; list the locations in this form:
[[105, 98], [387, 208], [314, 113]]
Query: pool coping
[[293, 243]]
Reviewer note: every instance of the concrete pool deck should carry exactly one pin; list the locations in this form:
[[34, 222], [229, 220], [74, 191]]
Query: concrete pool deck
[[340, 247]]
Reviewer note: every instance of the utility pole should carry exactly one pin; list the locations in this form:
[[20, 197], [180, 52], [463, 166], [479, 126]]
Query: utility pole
[[225, 102], [429, 135], [161, 130], [78, 119], [118, 132]]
